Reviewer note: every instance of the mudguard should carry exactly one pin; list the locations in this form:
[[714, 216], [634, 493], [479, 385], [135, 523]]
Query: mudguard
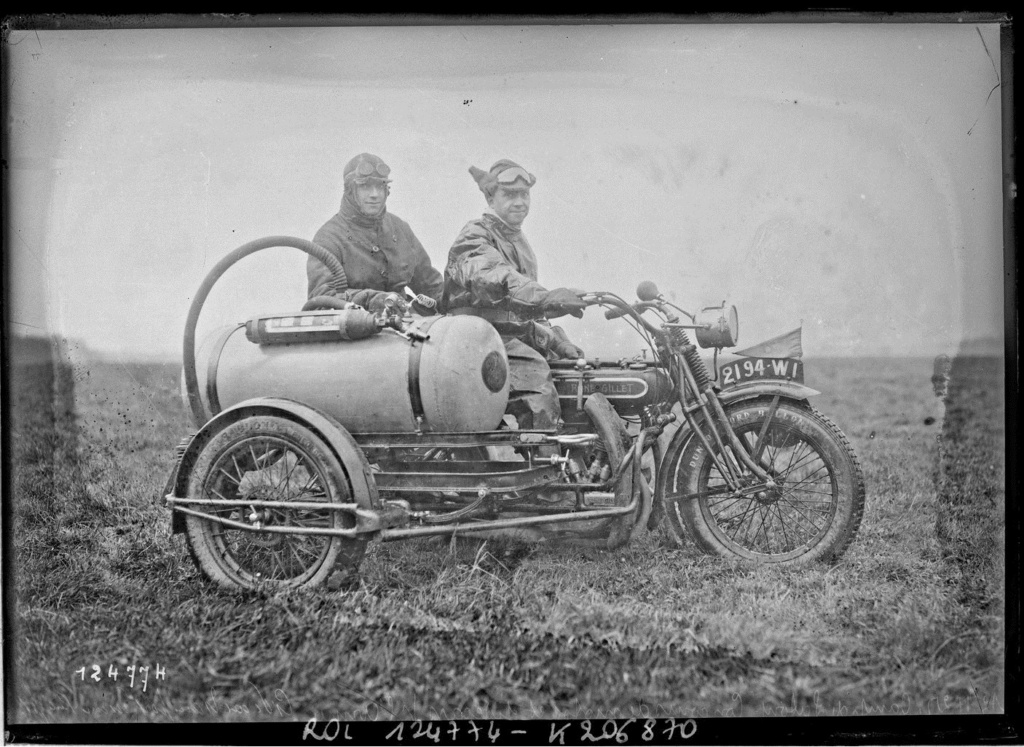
[[751, 389], [787, 390], [364, 489]]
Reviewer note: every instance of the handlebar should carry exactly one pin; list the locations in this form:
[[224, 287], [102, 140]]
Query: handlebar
[[615, 313], [638, 307], [622, 308]]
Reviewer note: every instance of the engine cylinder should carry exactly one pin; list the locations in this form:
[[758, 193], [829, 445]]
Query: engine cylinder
[[455, 380], [629, 388]]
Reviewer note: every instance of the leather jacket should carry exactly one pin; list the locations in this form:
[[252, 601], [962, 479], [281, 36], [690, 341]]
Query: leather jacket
[[379, 254]]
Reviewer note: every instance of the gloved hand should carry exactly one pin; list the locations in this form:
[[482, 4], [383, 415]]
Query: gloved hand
[[563, 301], [568, 350], [559, 344], [383, 300], [423, 305]]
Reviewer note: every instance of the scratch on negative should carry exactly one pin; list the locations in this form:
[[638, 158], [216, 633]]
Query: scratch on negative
[[988, 53], [984, 105], [995, 69]]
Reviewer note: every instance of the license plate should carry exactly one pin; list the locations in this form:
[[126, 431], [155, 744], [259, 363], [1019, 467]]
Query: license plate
[[736, 372]]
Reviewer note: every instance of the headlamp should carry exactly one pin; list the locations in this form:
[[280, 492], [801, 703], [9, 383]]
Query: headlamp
[[719, 326]]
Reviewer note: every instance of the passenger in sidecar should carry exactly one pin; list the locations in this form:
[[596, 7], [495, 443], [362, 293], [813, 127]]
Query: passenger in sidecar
[[378, 250]]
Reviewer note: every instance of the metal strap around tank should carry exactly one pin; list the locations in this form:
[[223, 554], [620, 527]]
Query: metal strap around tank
[[416, 352], [211, 369]]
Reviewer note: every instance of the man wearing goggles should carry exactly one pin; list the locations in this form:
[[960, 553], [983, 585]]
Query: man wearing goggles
[[492, 273], [377, 249]]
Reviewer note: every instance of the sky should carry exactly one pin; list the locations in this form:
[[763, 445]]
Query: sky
[[845, 178]]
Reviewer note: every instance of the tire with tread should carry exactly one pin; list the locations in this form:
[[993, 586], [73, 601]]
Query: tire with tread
[[271, 458], [812, 516]]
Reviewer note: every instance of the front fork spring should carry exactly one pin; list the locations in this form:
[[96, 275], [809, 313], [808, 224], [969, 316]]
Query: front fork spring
[[697, 367]]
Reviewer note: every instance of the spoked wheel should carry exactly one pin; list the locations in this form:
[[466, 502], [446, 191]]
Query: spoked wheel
[[267, 458], [811, 514]]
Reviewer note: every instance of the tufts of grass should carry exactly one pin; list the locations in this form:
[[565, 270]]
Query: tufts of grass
[[473, 629]]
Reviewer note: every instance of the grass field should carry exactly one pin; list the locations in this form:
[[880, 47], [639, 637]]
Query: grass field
[[908, 622]]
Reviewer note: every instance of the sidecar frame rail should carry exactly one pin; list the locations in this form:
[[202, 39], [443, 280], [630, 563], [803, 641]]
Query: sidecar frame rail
[[371, 521], [461, 440], [256, 503], [466, 477], [466, 527], [366, 522], [390, 522]]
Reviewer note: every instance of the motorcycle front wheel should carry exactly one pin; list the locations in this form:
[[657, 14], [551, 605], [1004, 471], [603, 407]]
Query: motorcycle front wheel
[[813, 512]]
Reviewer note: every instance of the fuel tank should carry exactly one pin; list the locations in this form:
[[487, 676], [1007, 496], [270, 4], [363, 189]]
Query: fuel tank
[[629, 387], [454, 380]]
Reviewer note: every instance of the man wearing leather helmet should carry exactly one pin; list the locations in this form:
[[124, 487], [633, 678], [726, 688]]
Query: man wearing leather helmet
[[377, 249], [492, 273]]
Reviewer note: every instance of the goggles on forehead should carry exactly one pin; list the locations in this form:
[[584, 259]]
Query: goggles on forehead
[[366, 171], [365, 168], [510, 175]]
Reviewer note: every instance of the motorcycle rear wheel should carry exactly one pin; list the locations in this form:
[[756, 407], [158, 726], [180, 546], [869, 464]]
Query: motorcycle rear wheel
[[811, 516], [270, 458]]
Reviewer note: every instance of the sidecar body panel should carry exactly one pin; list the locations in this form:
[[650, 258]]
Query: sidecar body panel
[[364, 489]]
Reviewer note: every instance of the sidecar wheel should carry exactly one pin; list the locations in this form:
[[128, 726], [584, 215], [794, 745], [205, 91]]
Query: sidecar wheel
[[273, 459], [812, 515]]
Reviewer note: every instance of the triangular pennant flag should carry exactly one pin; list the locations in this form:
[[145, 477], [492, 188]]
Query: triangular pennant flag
[[783, 346]]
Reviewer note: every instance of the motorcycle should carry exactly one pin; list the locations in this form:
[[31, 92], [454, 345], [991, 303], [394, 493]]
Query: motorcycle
[[321, 430]]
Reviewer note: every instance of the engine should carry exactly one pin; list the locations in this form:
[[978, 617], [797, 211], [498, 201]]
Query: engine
[[628, 386]]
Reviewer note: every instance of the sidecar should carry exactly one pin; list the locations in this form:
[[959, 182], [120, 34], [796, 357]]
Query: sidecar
[[313, 439]]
